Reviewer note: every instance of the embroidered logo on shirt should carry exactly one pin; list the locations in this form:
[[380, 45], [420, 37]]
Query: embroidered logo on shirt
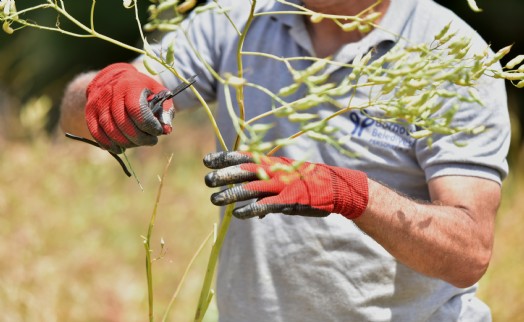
[[380, 134]]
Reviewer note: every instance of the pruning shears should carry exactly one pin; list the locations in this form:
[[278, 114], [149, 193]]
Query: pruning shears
[[155, 104]]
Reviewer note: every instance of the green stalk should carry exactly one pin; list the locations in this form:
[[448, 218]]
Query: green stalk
[[182, 280], [206, 294], [147, 244], [240, 72]]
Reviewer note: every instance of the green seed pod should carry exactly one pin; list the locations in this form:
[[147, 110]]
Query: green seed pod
[[319, 137], [380, 79], [148, 67], [478, 130], [170, 54], [261, 128], [447, 38], [498, 56], [262, 174], [514, 62], [317, 79], [128, 4], [314, 126], [473, 5], [372, 17], [520, 84], [283, 112], [364, 28], [235, 81], [302, 117], [7, 28], [322, 88], [350, 26], [186, 6], [288, 90], [511, 76], [443, 32], [420, 134], [316, 17], [307, 102]]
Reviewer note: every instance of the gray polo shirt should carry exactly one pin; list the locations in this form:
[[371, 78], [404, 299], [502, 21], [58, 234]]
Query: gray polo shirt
[[292, 268]]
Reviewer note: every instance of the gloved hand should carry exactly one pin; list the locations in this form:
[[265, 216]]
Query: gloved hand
[[117, 111], [310, 190]]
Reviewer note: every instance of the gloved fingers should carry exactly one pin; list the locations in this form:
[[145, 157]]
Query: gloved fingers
[[235, 194], [137, 108], [101, 137], [134, 135], [272, 205], [256, 209], [251, 190], [219, 160], [233, 174]]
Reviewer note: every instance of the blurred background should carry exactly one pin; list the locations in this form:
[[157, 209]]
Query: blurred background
[[71, 221]]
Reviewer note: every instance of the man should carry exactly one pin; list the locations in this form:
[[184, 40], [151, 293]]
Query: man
[[416, 231]]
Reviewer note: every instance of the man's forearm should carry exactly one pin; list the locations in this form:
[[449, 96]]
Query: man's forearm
[[72, 108], [451, 241]]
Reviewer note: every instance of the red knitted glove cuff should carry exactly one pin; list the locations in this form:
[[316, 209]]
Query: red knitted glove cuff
[[350, 192]]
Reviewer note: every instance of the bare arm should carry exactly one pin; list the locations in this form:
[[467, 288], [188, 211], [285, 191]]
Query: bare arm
[[450, 239], [72, 118]]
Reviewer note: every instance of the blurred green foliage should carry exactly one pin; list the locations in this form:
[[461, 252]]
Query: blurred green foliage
[[36, 62]]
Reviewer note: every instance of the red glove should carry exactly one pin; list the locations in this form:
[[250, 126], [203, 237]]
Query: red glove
[[117, 111], [310, 190]]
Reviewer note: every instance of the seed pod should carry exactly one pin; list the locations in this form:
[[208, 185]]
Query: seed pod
[[498, 56], [307, 102], [316, 17], [128, 4], [510, 76], [364, 28], [235, 81], [262, 127], [473, 5], [317, 79], [148, 67], [288, 90], [514, 62], [319, 137], [7, 28], [478, 130], [350, 26], [186, 6], [322, 88], [420, 134], [443, 32], [372, 17], [283, 112], [170, 54], [302, 117]]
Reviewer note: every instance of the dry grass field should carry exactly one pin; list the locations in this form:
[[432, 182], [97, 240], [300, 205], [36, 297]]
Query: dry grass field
[[71, 225]]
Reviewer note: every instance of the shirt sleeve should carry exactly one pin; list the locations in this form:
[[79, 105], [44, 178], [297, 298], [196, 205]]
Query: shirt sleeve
[[481, 155], [196, 49]]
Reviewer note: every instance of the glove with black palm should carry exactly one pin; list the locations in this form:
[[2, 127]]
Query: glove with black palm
[[289, 187]]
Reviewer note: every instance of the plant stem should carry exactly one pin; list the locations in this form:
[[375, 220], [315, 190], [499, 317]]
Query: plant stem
[[240, 72], [179, 287], [205, 294], [147, 244]]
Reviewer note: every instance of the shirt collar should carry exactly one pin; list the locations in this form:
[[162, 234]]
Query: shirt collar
[[391, 25]]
